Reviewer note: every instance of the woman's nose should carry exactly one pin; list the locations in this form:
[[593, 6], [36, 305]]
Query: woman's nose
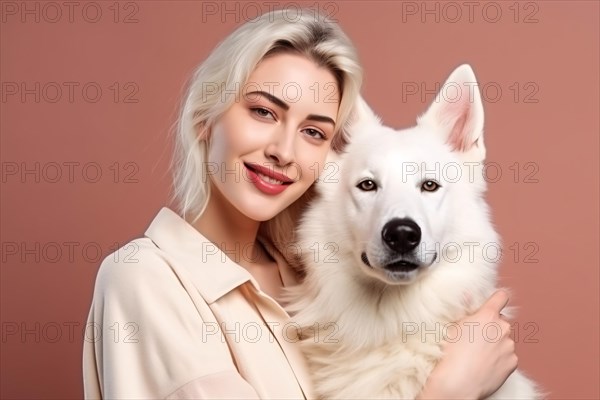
[[281, 147]]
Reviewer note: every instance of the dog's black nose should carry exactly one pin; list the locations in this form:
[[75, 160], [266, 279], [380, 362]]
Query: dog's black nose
[[401, 234]]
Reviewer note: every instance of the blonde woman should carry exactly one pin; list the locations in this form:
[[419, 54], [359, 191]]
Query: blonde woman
[[199, 298]]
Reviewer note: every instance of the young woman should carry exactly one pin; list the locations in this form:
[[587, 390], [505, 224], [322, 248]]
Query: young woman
[[194, 312]]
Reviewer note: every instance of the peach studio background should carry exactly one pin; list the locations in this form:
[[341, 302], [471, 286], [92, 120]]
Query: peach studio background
[[543, 123]]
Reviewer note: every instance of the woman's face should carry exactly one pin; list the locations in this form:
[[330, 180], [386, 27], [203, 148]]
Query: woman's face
[[282, 123]]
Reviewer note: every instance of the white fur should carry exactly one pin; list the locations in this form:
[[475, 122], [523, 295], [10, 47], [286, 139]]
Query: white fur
[[358, 322]]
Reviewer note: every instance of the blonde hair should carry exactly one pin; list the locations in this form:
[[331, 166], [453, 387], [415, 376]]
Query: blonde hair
[[218, 81]]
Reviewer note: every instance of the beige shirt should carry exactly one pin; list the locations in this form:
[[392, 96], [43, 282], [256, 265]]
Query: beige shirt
[[174, 317]]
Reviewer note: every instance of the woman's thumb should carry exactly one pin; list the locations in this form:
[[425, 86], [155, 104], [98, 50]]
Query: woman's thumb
[[497, 301]]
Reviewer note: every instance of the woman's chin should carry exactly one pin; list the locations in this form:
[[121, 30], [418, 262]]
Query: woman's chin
[[260, 215]]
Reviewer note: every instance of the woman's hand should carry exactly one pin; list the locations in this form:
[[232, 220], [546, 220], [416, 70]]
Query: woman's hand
[[474, 365]]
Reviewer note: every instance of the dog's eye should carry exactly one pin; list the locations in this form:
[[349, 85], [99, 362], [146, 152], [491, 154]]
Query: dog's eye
[[430, 186], [367, 185]]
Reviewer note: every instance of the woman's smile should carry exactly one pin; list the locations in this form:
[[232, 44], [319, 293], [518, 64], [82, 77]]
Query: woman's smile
[[266, 180]]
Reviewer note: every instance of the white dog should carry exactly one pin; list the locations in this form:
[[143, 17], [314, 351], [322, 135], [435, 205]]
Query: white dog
[[392, 247]]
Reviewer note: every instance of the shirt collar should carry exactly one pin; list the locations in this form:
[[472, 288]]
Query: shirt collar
[[214, 273]]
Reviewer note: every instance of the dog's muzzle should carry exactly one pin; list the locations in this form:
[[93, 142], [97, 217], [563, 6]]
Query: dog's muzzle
[[395, 266], [402, 236]]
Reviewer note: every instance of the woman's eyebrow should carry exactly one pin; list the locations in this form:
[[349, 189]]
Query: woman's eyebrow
[[286, 107], [320, 118], [271, 98]]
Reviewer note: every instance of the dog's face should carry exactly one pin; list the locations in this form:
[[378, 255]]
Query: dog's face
[[409, 190]]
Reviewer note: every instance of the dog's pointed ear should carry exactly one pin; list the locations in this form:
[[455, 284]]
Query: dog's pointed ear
[[362, 113], [457, 113]]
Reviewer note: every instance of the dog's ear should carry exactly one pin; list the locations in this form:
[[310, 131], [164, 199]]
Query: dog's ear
[[457, 113], [362, 113], [362, 119]]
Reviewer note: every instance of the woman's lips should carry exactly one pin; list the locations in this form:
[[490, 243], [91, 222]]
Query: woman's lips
[[269, 173], [265, 183]]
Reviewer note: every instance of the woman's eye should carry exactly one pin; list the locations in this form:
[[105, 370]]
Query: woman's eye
[[315, 133], [367, 185], [263, 112], [430, 186]]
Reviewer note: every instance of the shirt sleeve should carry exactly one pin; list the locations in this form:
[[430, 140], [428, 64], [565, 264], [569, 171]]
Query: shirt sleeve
[[146, 338]]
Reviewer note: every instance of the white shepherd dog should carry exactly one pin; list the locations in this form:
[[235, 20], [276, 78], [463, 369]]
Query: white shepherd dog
[[392, 247]]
